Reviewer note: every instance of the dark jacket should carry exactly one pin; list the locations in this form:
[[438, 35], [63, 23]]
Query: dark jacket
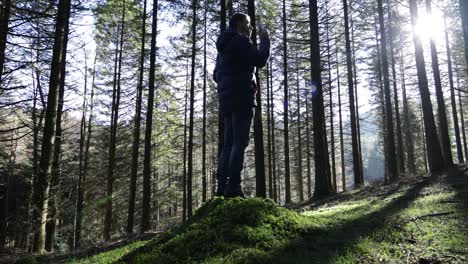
[[235, 70]]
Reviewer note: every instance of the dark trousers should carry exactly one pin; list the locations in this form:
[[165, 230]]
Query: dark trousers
[[236, 139]]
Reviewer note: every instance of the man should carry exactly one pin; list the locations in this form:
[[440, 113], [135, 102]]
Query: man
[[235, 75]]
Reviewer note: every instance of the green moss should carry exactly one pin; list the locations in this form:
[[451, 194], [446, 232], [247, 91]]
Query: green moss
[[379, 225], [236, 228]]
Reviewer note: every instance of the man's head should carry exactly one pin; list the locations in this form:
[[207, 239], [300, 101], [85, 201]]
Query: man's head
[[240, 22]]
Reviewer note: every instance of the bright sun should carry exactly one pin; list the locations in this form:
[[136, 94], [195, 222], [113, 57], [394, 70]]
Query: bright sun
[[430, 26]]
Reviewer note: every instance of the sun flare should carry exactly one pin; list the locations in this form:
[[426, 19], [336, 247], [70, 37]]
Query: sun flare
[[430, 26]]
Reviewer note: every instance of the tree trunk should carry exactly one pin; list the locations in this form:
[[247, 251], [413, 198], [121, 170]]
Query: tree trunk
[[441, 112], [343, 171], [5, 8], [464, 18], [192, 102], [321, 160], [408, 135], [299, 139], [309, 173], [332, 130], [147, 160], [56, 170], [400, 152], [48, 139], [84, 172], [260, 181], [434, 152], [358, 179], [452, 97], [391, 153], [269, 127], [136, 128], [358, 120], [113, 128], [462, 119], [220, 117], [273, 142], [184, 175], [287, 174], [204, 180]]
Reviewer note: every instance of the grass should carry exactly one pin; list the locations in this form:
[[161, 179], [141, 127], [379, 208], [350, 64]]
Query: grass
[[424, 221]]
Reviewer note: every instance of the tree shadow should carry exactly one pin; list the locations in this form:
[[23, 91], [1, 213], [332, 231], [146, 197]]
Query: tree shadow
[[322, 244], [457, 180]]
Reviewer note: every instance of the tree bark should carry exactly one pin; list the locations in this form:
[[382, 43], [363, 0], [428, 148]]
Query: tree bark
[[48, 139], [441, 112], [434, 152], [269, 127], [299, 139], [5, 7], [113, 128], [147, 160], [391, 153], [260, 180], [452, 97], [204, 179], [462, 119], [83, 174], [332, 130], [321, 160], [408, 135], [287, 174], [192, 102], [343, 171], [400, 152], [136, 128], [464, 18], [358, 179]]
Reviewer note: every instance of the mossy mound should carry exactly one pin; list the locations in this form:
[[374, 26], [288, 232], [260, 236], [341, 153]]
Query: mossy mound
[[226, 231]]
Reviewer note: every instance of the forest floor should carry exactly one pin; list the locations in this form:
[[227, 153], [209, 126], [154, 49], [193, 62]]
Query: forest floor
[[417, 220]]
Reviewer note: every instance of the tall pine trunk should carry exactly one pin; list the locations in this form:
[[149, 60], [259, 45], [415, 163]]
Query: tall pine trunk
[[48, 139], [462, 119], [269, 127], [452, 97], [321, 160], [147, 159], [343, 171], [464, 18], [5, 8], [84, 172], [391, 153], [332, 129], [113, 128], [273, 142], [399, 136], [56, 170], [287, 174], [406, 116], [300, 182], [204, 178], [222, 28], [441, 112], [191, 110], [260, 180], [358, 177], [136, 128], [434, 152]]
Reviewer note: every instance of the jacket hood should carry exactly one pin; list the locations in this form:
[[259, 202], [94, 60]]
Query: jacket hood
[[224, 39]]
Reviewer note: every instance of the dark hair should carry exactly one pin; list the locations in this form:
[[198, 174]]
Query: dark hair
[[235, 19]]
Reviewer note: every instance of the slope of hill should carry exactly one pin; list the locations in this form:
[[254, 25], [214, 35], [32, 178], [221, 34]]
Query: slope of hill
[[423, 220]]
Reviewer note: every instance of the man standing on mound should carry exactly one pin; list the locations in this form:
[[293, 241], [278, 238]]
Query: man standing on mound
[[235, 75]]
